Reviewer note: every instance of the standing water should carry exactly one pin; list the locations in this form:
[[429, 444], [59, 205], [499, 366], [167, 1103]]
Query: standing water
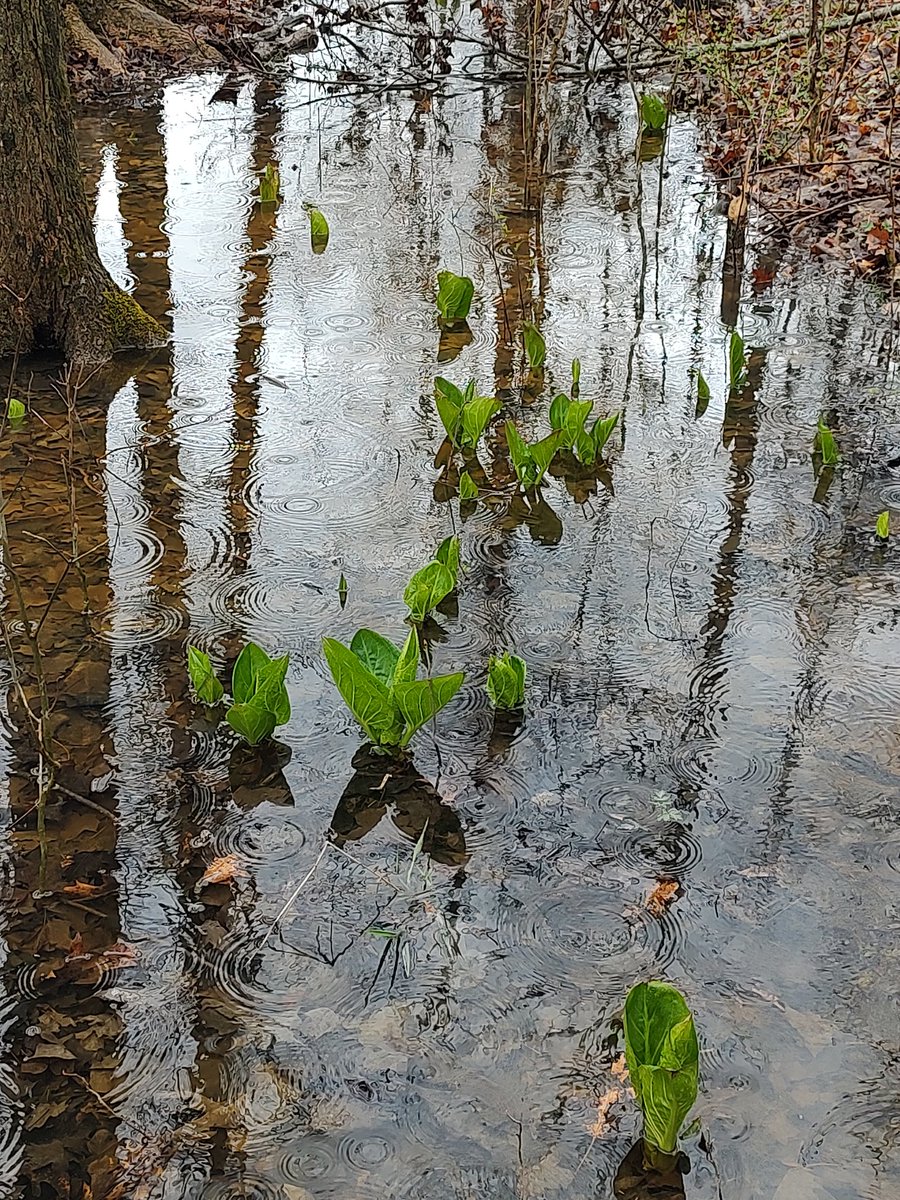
[[713, 691]]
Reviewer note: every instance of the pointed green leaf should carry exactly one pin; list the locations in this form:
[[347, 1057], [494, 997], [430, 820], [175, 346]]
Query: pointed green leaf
[[653, 112], [448, 554], [535, 346], [420, 701], [454, 298], [573, 426], [376, 654], [602, 431], [662, 1055], [476, 414], [270, 692], [883, 524], [702, 388], [826, 445], [408, 660], [558, 410], [319, 232], [576, 377], [542, 454], [585, 449], [427, 589], [449, 401], [506, 681], [364, 694], [737, 361], [269, 185], [203, 677], [252, 721], [245, 674], [468, 489], [518, 451]]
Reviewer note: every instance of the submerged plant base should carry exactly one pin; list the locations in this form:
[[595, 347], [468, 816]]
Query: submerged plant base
[[638, 1179]]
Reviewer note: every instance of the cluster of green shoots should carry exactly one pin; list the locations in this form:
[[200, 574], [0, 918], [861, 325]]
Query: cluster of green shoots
[[259, 699], [377, 680], [270, 195], [466, 415]]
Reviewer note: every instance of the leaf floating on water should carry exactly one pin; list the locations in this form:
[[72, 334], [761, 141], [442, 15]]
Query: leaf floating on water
[[86, 890], [663, 894], [222, 870], [118, 956], [601, 1123], [619, 1069]]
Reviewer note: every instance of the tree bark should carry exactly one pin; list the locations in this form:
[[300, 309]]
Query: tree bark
[[54, 291]]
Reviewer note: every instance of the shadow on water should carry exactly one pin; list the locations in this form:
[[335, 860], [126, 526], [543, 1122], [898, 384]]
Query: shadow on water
[[213, 983]]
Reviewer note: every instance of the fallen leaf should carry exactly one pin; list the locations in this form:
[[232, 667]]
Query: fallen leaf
[[599, 1126], [118, 957], [85, 890], [222, 870], [663, 894], [618, 1069]]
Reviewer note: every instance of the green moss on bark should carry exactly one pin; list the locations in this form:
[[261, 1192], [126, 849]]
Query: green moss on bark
[[127, 323]]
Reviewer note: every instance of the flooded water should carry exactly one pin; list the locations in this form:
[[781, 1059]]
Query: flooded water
[[714, 692]]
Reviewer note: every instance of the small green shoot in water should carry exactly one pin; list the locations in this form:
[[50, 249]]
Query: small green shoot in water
[[531, 462], [260, 698], [654, 112], [737, 362], [433, 583], [568, 418], [378, 684], [454, 296], [825, 446], [468, 489], [318, 229], [883, 525], [464, 415], [662, 1055], [203, 677], [702, 395], [576, 377], [506, 681], [342, 590], [269, 185], [15, 411], [535, 347]]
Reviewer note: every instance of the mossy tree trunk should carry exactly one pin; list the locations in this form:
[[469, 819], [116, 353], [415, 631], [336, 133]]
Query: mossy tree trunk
[[54, 291]]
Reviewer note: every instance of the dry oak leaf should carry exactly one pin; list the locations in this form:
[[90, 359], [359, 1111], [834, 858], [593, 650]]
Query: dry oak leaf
[[663, 894], [222, 870], [599, 1126], [86, 890]]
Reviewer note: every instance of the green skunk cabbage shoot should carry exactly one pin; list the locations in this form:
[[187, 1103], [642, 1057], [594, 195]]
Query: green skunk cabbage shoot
[[318, 229], [269, 185], [576, 377], [468, 489], [506, 681], [737, 362], [260, 697], [653, 112], [568, 417], [203, 677], [530, 462], [825, 446], [433, 583], [377, 682], [454, 296], [883, 525], [662, 1055], [342, 590], [702, 395], [15, 411], [535, 347], [464, 415]]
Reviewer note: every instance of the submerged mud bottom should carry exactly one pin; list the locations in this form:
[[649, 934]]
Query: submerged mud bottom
[[313, 971]]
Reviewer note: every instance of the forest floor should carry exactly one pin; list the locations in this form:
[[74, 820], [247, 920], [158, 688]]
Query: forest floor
[[125, 54], [804, 126]]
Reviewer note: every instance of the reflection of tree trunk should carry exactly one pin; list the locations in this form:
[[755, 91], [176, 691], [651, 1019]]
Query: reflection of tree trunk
[[260, 232], [64, 915], [740, 431]]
